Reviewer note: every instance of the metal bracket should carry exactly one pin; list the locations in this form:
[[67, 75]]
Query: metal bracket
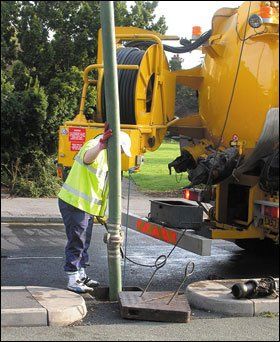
[[158, 264], [188, 271]]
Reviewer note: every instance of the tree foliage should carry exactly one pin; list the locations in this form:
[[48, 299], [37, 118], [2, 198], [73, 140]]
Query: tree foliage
[[186, 98], [45, 46]]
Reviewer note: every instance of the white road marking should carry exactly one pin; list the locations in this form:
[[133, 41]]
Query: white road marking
[[24, 257]]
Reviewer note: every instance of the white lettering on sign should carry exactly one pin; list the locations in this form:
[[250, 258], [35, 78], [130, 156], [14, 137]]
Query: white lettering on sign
[[77, 134], [76, 146]]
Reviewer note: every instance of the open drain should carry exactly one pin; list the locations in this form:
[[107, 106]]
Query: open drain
[[102, 293]]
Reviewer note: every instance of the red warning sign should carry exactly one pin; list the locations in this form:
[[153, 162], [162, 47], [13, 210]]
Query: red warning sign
[[76, 146], [77, 134]]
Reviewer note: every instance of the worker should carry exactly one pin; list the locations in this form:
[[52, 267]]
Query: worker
[[83, 196]]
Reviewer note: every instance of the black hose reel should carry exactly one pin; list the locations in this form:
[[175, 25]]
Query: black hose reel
[[144, 107], [146, 94], [127, 84], [132, 54]]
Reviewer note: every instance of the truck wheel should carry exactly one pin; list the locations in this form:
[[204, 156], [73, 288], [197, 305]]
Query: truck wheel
[[259, 247]]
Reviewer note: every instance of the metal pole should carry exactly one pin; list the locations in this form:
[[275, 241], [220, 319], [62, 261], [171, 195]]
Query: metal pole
[[114, 155]]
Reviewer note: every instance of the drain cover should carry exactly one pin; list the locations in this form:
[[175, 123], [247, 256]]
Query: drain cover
[[152, 307]]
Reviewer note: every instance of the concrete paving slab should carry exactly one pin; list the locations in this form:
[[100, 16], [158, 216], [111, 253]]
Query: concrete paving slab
[[31, 219], [63, 307], [17, 298], [215, 296], [36, 207], [19, 308], [40, 306], [266, 305], [24, 317]]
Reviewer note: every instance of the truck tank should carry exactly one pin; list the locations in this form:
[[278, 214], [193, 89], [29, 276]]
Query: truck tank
[[240, 75], [238, 87], [232, 142]]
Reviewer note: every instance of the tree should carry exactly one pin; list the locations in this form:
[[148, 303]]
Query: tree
[[23, 115], [142, 15], [186, 98], [9, 22], [45, 46], [175, 62]]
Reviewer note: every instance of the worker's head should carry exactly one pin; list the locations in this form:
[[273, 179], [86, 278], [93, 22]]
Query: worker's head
[[125, 143]]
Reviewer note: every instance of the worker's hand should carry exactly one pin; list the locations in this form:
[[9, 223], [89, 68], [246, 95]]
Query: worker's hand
[[105, 137]]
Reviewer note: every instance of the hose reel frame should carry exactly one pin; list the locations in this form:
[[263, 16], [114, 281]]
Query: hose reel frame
[[151, 121], [153, 110]]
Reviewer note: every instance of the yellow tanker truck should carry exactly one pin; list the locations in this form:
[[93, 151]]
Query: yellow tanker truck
[[229, 147]]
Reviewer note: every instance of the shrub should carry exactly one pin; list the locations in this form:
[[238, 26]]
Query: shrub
[[35, 179]]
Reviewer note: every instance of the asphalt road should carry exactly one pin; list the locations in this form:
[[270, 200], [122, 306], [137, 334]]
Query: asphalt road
[[227, 329], [34, 255]]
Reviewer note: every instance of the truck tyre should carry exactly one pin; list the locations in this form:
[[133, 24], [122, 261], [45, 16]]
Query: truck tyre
[[259, 247]]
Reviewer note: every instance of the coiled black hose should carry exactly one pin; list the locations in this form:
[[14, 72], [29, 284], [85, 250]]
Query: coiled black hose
[[127, 83], [132, 54]]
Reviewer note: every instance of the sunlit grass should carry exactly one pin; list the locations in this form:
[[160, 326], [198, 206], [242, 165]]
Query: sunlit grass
[[154, 174]]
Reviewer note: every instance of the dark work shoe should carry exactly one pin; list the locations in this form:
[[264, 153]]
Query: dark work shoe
[[90, 282]]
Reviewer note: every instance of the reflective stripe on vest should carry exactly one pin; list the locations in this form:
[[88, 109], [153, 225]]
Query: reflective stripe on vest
[[81, 194], [91, 169]]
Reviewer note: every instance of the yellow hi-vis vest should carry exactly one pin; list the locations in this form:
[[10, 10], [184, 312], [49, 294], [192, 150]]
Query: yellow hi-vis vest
[[86, 186]]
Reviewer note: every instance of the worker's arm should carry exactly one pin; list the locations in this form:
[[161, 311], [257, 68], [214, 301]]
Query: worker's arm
[[93, 152]]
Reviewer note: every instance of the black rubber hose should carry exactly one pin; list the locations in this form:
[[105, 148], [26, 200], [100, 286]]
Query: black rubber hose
[[129, 86], [187, 46], [127, 83], [124, 90], [120, 59]]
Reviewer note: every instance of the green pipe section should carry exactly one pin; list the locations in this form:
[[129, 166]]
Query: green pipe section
[[114, 154]]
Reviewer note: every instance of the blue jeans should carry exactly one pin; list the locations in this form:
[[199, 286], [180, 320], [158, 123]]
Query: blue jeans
[[78, 225]]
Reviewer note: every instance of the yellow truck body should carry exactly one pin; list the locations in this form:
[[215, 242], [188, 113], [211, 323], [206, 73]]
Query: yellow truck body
[[237, 85]]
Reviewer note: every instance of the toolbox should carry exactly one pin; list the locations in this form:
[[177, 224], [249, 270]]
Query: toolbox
[[176, 214]]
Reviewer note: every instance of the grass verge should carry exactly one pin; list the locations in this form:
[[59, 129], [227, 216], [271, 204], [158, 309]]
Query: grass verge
[[154, 177]]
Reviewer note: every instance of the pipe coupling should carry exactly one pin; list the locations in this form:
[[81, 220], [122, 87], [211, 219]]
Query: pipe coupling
[[113, 240]]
